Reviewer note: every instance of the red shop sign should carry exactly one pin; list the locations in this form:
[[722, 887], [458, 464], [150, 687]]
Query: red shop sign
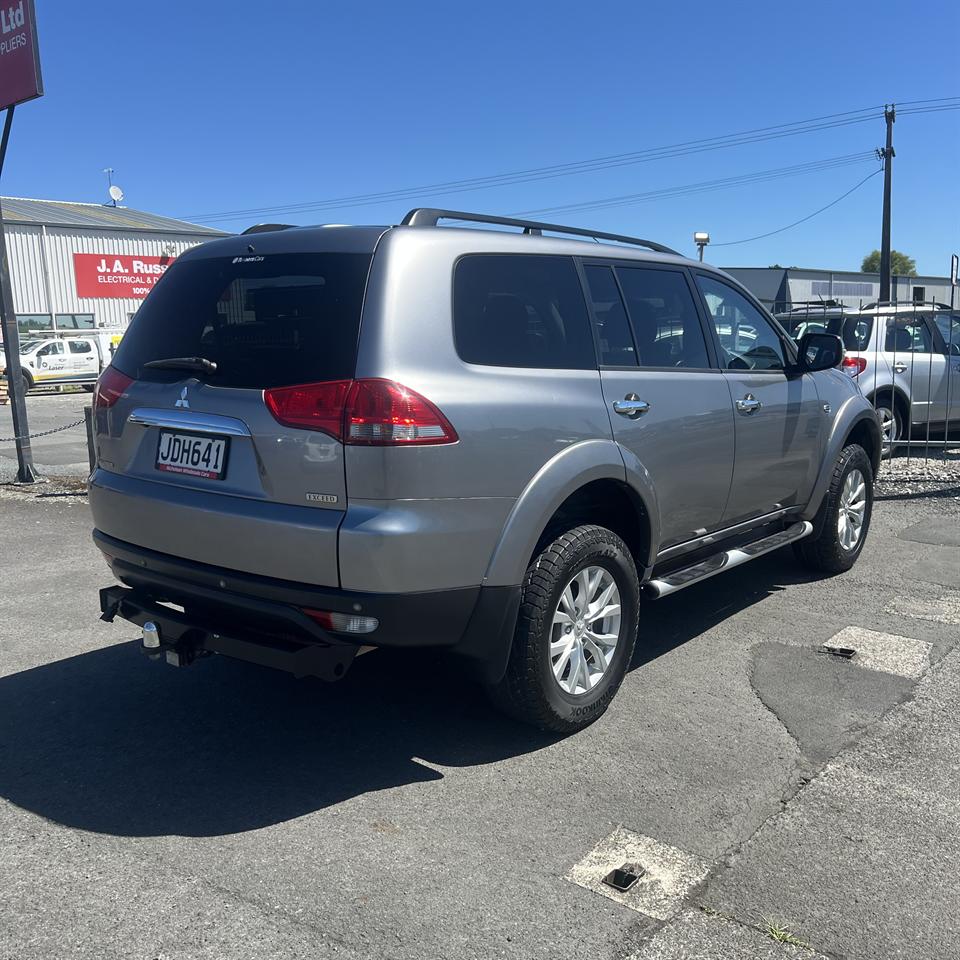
[[117, 275], [20, 78]]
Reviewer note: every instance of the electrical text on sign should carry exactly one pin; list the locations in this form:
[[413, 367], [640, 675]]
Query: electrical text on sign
[[20, 78], [117, 275]]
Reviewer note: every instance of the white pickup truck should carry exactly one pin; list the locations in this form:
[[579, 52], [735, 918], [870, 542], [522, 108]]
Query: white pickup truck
[[49, 361]]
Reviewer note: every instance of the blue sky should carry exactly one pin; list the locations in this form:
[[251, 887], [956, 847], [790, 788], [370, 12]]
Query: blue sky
[[217, 106]]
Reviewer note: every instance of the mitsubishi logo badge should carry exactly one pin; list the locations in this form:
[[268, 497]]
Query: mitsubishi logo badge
[[183, 401]]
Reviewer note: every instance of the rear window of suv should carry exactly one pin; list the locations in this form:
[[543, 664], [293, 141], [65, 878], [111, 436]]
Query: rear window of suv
[[521, 310], [853, 330], [269, 321]]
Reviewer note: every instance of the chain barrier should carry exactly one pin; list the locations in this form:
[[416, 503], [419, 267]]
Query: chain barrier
[[43, 433]]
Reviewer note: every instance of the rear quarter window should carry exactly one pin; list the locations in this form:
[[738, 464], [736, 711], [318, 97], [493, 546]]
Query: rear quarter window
[[521, 311], [269, 321]]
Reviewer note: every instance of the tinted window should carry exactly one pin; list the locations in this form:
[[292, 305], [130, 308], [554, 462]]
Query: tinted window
[[950, 331], [521, 311], [79, 346], [664, 318], [908, 335], [51, 348], [854, 331], [747, 339], [610, 319], [266, 321]]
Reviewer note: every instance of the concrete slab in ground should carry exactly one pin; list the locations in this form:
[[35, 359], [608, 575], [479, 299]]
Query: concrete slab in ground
[[862, 862], [669, 875], [701, 936], [887, 652]]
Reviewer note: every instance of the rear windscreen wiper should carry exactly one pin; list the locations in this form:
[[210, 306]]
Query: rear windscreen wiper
[[183, 363]]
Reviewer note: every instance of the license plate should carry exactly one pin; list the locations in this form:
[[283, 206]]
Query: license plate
[[192, 454]]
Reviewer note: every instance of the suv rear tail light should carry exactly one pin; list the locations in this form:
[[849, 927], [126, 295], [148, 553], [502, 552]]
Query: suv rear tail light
[[854, 366], [111, 386], [368, 412]]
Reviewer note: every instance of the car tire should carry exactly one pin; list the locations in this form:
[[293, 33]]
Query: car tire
[[27, 382], [892, 423], [831, 550], [537, 682]]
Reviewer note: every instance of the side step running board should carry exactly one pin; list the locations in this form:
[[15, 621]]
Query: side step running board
[[687, 576]]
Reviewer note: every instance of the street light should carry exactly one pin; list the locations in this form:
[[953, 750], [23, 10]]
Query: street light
[[701, 240]]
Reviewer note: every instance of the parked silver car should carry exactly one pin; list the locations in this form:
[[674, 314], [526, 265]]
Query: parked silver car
[[905, 357], [316, 440]]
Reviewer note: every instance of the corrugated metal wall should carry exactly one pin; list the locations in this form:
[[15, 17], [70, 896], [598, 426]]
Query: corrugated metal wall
[[27, 246], [26, 269]]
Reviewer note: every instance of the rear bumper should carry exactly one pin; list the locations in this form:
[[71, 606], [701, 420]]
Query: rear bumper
[[262, 613]]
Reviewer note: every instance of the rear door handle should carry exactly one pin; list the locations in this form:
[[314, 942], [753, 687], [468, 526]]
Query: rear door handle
[[900, 367], [749, 404], [631, 406]]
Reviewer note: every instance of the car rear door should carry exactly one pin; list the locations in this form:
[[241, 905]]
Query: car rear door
[[919, 367], [948, 326], [778, 418], [200, 466], [668, 404]]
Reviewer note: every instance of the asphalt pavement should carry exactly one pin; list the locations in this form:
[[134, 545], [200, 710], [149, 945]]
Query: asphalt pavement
[[770, 791], [58, 454]]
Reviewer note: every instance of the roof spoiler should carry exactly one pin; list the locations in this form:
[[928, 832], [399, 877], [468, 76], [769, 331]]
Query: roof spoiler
[[266, 228]]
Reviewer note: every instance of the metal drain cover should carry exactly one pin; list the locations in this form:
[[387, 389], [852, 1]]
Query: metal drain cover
[[845, 653], [623, 878]]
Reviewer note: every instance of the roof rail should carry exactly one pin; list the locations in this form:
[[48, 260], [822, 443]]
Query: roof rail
[[266, 228], [427, 217], [930, 304]]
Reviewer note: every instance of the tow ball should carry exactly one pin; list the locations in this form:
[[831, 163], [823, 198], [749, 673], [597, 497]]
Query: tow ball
[[152, 645]]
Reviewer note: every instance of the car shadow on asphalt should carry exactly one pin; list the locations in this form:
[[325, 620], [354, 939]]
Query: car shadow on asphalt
[[110, 742]]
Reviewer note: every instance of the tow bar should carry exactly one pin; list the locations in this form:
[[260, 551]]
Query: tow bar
[[181, 638]]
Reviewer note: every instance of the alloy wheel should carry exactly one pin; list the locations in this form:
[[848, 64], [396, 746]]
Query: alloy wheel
[[585, 630], [852, 510]]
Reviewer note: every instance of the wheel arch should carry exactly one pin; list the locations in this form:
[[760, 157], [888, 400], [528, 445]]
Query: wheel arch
[[588, 482], [895, 391], [855, 420]]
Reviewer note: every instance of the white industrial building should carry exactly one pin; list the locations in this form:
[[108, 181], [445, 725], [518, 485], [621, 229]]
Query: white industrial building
[[781, 288], [86, 266]]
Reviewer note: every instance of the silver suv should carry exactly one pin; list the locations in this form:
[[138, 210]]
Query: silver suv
[[905, 358], [317, 440]]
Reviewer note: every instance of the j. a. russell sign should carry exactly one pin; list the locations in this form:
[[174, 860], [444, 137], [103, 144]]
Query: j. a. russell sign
[[117, 275]]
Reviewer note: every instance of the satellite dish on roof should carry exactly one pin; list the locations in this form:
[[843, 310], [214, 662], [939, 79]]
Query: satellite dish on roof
[[116, 194]]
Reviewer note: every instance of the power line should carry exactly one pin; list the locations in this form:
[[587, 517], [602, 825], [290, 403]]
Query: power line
[[686, 148], [907, 103], [689, 189], [796, 223]]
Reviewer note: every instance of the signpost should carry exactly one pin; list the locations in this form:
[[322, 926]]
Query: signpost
[[20, 81]]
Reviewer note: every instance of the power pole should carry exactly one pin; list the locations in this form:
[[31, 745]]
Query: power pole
[[11, 343], [890, 115]]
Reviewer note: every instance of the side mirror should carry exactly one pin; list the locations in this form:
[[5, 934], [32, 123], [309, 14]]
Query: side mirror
[[819, 351]]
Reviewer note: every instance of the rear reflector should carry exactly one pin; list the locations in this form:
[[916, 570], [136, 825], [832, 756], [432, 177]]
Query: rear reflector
[[342, 622], [368, 412], [854, 366], [111, 386]]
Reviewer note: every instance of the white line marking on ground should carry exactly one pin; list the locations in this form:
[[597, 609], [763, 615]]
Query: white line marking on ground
[[944, 610], [670, 873], [902, 656]]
